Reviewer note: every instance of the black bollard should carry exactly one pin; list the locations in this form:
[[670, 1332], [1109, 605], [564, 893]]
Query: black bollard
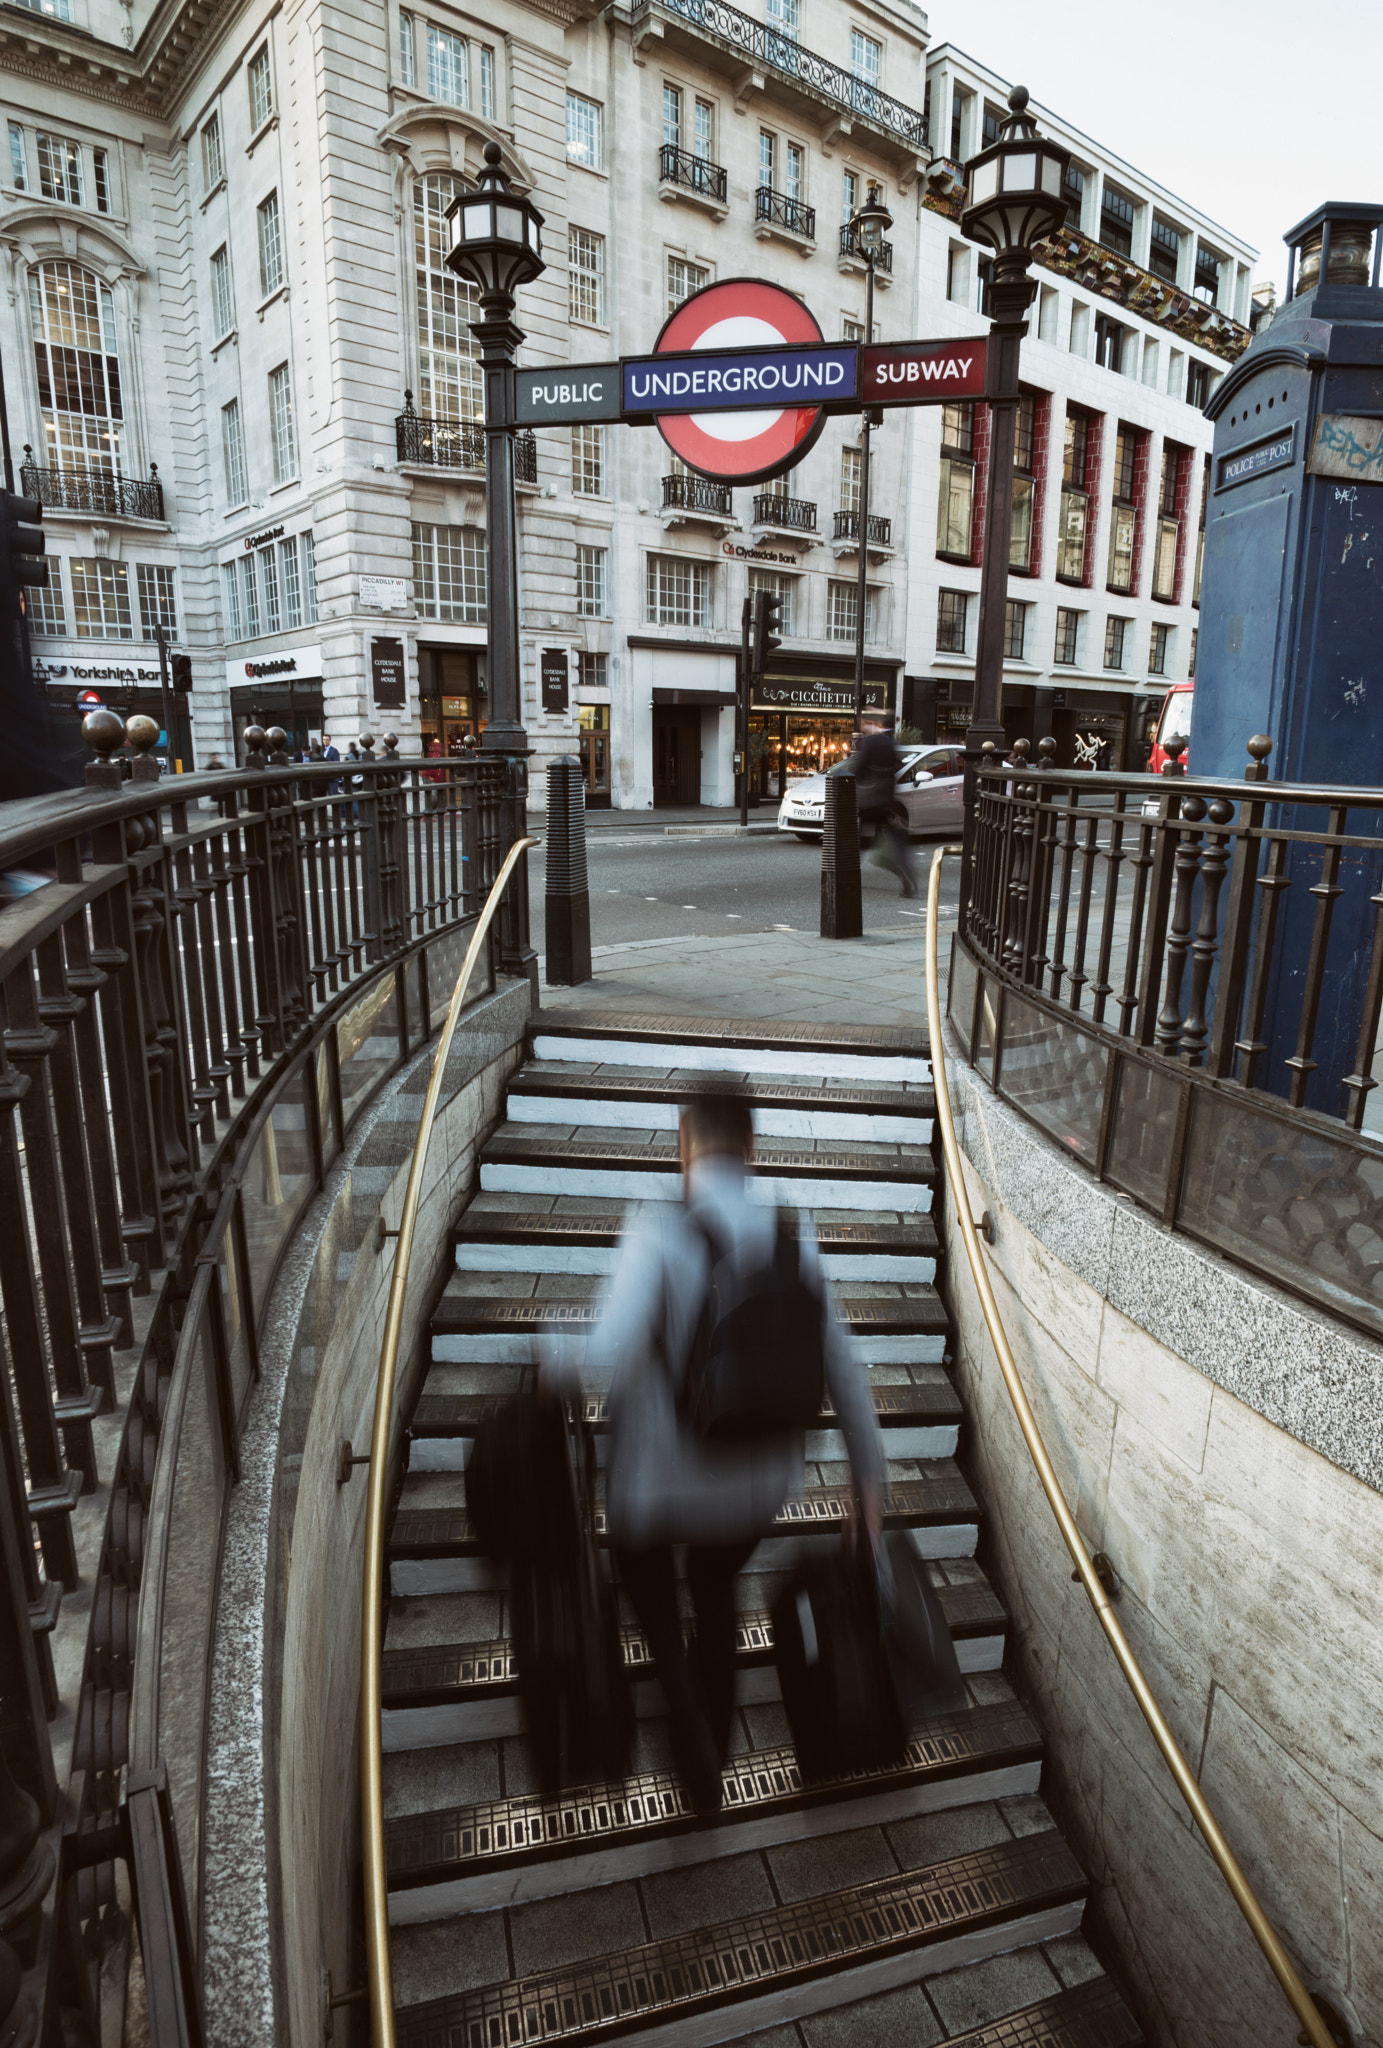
[[842, 908], [568, 902]]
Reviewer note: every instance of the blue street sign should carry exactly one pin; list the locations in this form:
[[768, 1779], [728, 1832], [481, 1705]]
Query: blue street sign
[[739, 380]]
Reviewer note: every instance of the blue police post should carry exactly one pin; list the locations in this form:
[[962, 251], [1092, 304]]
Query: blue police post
[[1291, 621], [568, 901]]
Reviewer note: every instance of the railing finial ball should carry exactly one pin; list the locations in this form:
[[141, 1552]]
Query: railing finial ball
[[391, 746], [103, 732], [142, 734], [1174, 748], [1046, 752], [277, 741], [367, 741]]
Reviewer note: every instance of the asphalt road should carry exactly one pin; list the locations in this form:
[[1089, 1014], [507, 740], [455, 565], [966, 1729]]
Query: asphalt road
[[646, 886]]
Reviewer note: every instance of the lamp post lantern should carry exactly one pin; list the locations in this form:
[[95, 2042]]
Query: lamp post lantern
[[868, 226], [1015, 200], [497, 245]]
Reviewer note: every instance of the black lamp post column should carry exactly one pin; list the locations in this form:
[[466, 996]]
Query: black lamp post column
[[862, 593]]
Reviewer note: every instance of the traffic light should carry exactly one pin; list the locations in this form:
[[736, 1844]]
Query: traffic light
[[182, 674], [21, 540], [768, 617]]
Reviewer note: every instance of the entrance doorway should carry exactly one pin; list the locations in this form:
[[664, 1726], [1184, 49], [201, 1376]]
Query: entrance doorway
[[450, 703], [676, 754], [594, 741]]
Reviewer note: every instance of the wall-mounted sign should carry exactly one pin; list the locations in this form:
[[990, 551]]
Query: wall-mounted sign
[[1251, 462], [728, 547], [388, 678], [257, 540], [384, 593], [554, 668], [925, 372], [553, 397], [276, 666], [127, 675], [1348, 447], [814, 693]]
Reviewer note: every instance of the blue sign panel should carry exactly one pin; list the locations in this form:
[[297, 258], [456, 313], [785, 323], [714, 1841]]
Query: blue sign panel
[[1274, 454], [740, 381]]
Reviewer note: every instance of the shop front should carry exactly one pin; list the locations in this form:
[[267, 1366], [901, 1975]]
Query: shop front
[[283, 687], [802, 720], [128, 688], [1110, 726], [452, 704]]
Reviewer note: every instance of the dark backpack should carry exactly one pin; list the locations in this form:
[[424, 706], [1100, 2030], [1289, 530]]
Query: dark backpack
[[838, 1694], [756, 1368]]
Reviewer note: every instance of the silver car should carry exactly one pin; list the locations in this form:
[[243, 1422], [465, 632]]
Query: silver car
[[929, 784]]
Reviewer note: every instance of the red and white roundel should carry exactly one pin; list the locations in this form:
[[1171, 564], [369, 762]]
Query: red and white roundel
[[740, 447]]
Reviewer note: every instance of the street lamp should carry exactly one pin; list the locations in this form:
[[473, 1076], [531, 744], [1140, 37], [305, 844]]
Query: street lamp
[[868, 226], [497, 245], [1015, 195]]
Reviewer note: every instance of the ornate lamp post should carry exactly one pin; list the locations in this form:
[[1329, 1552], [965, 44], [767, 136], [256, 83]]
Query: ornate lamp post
[[868, 226], [497, 245], [1015, 194]]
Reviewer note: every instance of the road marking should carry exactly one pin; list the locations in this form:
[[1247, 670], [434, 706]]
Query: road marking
[[688, 906], [734, 913]]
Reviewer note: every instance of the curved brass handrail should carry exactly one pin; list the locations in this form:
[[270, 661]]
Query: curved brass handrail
[[1260, 1926], [378, 1971]]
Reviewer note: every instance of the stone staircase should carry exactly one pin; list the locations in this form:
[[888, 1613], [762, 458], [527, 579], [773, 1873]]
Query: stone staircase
[[935, 1902]]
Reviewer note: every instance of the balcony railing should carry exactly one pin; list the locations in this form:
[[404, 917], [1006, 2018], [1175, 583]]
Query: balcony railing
[[456, 444], [849, 246], [92, 490], [693, 173], [785, 57], [797, 515], [880, 529], [685, 493], [780, 210]]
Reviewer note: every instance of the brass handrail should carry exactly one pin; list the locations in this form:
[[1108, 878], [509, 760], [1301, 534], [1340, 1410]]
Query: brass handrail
[[378, 1971], [1260, 1926]]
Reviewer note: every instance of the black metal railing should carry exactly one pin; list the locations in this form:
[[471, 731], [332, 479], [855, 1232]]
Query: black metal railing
[[1181, 981], [687, 493], [741, 35], [850, 246], [214, 978], [796, 514], [79, 488], [880, 531], [526, 457], [693, 173], [457, 444], [780, 210]]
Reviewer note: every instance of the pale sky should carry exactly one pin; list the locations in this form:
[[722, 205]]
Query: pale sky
[[1255, 112]]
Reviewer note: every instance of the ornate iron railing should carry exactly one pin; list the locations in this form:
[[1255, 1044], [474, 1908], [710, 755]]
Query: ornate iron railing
[[211, 981], [686, 493], [780, 210], [850, 246], [743, 36], [798, 514], [456, 444], [526, 457], [81, 489], [880, 528], [694, 173], [1182, 982]]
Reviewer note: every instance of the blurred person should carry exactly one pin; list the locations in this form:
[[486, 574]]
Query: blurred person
[[874, 765], [330, 752], [668, 1485]]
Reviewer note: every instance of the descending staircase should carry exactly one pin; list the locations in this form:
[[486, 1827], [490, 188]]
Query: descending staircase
[[935, 1902]]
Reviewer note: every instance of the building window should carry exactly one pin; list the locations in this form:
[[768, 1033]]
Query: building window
[[233, 450], [43, 603], [1200, 535], [704, 131], [1191, 665], [448, 69], [1067, 635], [100, 180], [1199, 384], [449, 573], [768, 159], [1075, 501], [958, 275], [230, 583], [586, 277], [1015, 630], [290, 583], [584, 140], [993, 117], [19, 163], [1168, 526], [795, 171], [270, 246], [309, 579], [222, 300], [592, 671], [588, 461], [679, 591], [249, 595], [591, 566], [842, 612], [866, 59], [79, 387], [408, 51], [781, 587], [1110, 340], [1073, 192], [672, 116], [1115, 634], [955, 505], [1116, 221], [1207, 282], [1124, 517], [1159, 650], [683, 279], [849, 197], [1164, 250], [784, 18], [213, 162], [261, 89], [281, 424], [958, 99], [1020, 531], [448, 354], [487, 82], [101, 600], [952, 614], [59, 169], [158, 603], [851, 464]]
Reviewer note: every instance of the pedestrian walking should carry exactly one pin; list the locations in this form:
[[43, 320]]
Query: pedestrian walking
[[330, 752], [670, 1483], [874, 765]]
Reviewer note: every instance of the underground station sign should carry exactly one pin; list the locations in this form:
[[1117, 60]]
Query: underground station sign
[[741, 381]]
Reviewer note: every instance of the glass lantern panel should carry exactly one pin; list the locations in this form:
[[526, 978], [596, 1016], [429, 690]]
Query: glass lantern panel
[[1020, 173], [508, 224], [984, 181], [1051, 176], [475, 223]]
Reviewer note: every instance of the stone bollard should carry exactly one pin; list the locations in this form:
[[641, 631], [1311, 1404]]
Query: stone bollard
[[568, 901], [842, 906]]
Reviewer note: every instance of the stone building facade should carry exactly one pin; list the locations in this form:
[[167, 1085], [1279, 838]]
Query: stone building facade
[[251, 398]]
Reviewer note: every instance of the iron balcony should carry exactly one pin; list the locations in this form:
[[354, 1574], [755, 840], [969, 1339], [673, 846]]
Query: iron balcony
[[456, 444], [797, 515], [780, 210], [850, 248], [686, 493], [695, 174], [880, 530], [93, 490]]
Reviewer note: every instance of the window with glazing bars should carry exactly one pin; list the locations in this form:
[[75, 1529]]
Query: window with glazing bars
[[952, 612], [290, 583], [591, 564], [1199, 384], [449, 573], [1020, 538], [408, 50], [1075, 503], [448, 67], [101, 600], [704, 130], [1207, 280], [678, 591], [1015, 630], [588, 461], [958, 99], [233, 450], [72, 319], [213, 162], [1200, 536], [249, 596], [100, 179], [781, 587], [261, 89], [584, 145], [851, 463], [309, 553], [487, 82], [1123, 516], [593, 673], [1159, 648], [1116, 221], [795, 171], [281, 424], [1073, 192], [59, 169], [269, 584], [158, 599], [849, 197], [222, 298], [19, 162], [866, 59], [230, 582], [672, 116], [1168, 525], [683, 279], [586, 276], [1115, 633], [1191, 664], [768, 157], [270, 246], [43, 602], [1164, 249], [956, 500], [1067, 635]]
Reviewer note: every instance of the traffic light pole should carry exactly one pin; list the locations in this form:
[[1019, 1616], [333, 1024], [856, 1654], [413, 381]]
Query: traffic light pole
[[162, 638], [862, 589]]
